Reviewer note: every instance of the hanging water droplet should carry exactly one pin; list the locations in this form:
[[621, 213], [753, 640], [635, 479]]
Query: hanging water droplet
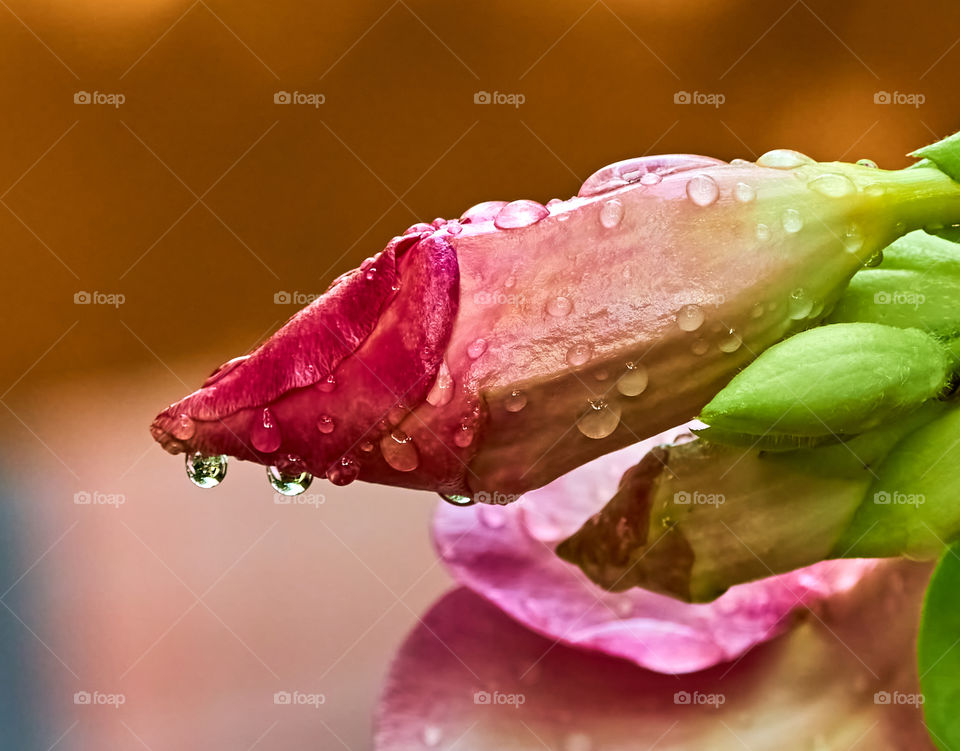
[[650, 178], [493, 517], [553, 202], [463, 436], [700, 347], [875, 260], [690, 317], [763, 232], [288, 484], [184, 428], [205, 471], [634, 381], [792, 221], [371, 273], [800, 304], [703, 190], [476, 348], [442, 390], [344, 471], [325, 424], [832, 185], [559, 306], [867, 163], [744, 192], [517, 214], [579, 354], [457, 500], [783, 159], [328, 384], [730, 343], [853, 239], [432, 735], [399, 451], [265, 435], [600, 419], [611, 214], [577, 742], [515, 402]]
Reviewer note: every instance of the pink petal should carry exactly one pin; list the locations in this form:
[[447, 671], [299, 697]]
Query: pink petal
[[813, 688], [506, 554]]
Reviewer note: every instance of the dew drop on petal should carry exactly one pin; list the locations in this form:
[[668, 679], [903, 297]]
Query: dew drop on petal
[[205, 471], [763, 232], [700, 347], [800, 304], [867, 163], [875, 260], [458, 500], [832, 185], [744, 192], [731, 342], [366, 447], [184, 428], [399, 451], [792, 221], [328, 384], [853, 239], [515, 402], [344, 471], [690, 317], [265, 435], [288, 484], [600, 419], [874, 190], [783, 159], [476, 348], [611, 214], [432, 735], [579, 354], [325, 424], [758, 310], [577, 742], [463, 436], [493, 517], [454, 227], [634, 381], [517, 214], [442, 390], [703, 190], [559, 307], [650, 178]]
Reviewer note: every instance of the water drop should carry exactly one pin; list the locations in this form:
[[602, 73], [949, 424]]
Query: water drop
[[634, 381], [288, 484], [328, 384], [442, 390], [206, 471], [853, 239], [703, 190], [867, 163], [579, 354], [366, 447], [517, 214], [454, 227], [510, 281], [783, 159], [700, 347], [463, 436], [611, 214], [875, 260], [832, 185], [184, 428], [763, 232], [416, 229], [758, 310], [399, 451], [800, 304], [482, 212], [515, 402], [623, 607], [690, 317], [744, 192], [559, 306], [740, 162], [650, 178], [874, 190], [730, 343], [792, 221], [600, 419], [476, 348], [371, 273], [344, 471], [457, 500], [493, 517], [432, 735], [553, 202], [577, 742], [265, 436]]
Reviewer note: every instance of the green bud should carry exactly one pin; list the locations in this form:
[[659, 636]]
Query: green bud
[[834, 380]]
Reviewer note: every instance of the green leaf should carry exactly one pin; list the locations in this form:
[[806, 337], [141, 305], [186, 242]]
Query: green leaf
[[938, 652], [835, 380], [944, 154]]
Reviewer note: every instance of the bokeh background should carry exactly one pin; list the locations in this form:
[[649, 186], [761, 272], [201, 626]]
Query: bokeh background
[[200, 200]]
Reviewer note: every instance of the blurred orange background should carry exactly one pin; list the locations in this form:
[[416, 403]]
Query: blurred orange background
[[199, 198]]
